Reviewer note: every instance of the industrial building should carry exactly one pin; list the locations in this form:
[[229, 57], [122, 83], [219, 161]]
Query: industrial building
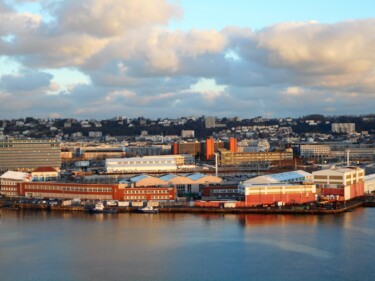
[[102, 153], [270, 193], [27, 155], [340, 183], [149, 163], [185, 184], [90, 191], [314, 150], [286, 177], [228, 158], [10, 180]]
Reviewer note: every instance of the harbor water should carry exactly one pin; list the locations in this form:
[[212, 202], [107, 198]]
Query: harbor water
[[40, 245]]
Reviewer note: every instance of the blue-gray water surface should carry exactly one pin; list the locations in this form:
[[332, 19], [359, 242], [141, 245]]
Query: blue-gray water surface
[[75, 246]]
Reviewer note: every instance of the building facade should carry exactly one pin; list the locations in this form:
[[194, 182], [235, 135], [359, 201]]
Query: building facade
[[221, 192], [45, 174], [27, 155], [259, 194], [141, 164], [10, 181], [340, 183], [228, 158], [343, 128], [93, 191], [314, 150]]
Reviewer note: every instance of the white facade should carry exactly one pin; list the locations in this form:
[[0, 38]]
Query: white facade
[[210, 122], [346, 128], [247, 188], [187, 133], [338, 177], [314, 150], [141, 164]]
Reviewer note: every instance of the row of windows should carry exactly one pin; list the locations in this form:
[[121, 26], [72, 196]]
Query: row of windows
[[69, 188], [145, 197], [225, 191], [8, 188], [9, 193], [8, 183], [142, 162], [160, 197], [136, 197], [150, 191], [67, 195]]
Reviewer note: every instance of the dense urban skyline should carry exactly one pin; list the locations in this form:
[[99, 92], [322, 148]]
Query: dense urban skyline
[[164, 58]]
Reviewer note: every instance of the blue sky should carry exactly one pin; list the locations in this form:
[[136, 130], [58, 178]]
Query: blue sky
[[218, 14], [164, 58]]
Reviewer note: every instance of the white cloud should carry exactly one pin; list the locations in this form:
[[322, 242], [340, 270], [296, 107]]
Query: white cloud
[[132, 61], [107, 18]]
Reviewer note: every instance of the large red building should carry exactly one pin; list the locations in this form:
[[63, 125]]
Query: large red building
[[259, 194], [93, 191]]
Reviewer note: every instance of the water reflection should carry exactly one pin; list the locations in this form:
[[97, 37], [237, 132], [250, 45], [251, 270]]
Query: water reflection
[[81, 246]]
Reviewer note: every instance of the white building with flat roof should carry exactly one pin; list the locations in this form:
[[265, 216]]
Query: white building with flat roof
[[141, 164], [345, 128], [315, 150]]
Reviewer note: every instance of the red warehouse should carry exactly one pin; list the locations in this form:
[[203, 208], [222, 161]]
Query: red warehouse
[[257, 194]]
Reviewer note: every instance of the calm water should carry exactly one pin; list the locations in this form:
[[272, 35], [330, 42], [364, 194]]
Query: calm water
[[54, 246]]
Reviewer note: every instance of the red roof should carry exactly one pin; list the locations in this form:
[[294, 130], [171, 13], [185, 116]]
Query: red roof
[[44, 169]]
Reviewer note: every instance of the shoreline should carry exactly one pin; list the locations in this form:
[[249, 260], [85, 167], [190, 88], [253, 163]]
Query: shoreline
[[364, 202]]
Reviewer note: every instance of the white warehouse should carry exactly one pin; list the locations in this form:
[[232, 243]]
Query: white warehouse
[[168, 163]]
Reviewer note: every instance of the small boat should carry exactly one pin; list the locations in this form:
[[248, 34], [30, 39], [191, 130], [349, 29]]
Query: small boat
[[99, 208], [147, 210]]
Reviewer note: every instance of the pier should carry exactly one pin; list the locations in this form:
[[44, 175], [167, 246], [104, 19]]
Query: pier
[[312, 209]]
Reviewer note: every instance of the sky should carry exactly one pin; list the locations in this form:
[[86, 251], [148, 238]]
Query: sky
[[169, 58]]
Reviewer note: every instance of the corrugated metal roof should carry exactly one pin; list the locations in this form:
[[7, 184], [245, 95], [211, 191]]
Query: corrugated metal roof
[[269, 184], [287, 176], [281, 177], [168, 177], [196, 176], [139, 178]]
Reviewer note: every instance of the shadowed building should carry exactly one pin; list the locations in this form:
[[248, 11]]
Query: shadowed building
[[27, 155]]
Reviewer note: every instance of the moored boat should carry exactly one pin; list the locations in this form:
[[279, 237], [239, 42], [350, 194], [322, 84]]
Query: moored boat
[[99, 208], [147, 210]]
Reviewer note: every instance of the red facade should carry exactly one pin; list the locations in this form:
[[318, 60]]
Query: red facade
[[210, 149], [260, 199], [94, 191], [175, 149], [147, 194], [233, 147], [357, 189]]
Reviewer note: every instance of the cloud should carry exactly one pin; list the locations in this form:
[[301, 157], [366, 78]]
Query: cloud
[[137, 65], [107, 18], [26, 80], [319, 55]]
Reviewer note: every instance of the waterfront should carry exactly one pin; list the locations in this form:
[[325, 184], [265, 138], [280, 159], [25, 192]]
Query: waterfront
[[38, 245]]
